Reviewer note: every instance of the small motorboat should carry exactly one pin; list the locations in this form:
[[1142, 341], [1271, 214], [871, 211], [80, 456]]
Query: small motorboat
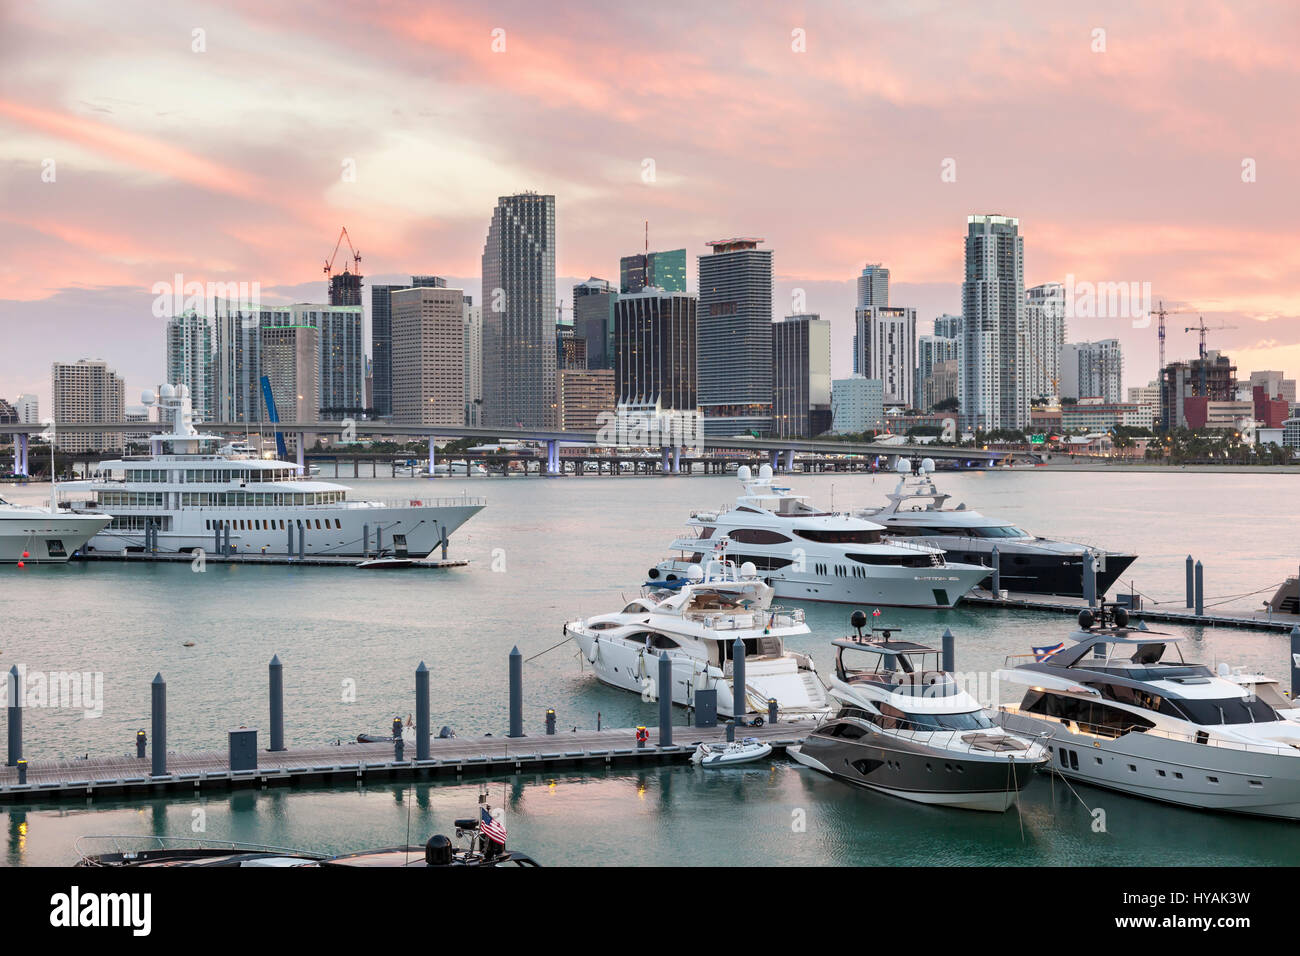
[[743, 751], [389, 562]]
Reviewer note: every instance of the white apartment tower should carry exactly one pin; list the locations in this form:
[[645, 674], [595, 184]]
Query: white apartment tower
[[1045, 317], [994, 390]]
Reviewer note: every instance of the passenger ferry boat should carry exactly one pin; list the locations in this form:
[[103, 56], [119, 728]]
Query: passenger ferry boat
[[190, 499]]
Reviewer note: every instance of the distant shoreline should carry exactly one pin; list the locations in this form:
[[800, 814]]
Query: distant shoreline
[[1134, 466]]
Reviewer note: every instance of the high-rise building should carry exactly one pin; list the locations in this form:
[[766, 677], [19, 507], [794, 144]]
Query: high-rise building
[[342, 359], [886, 344], [873, 286], [801, 376], [593, 320], [735, 318], [570, 348], [655, 352], [1147, 399], [28, 409], [583, 397], [86, 392], [1092, 370], [994, 392], [345, 289], [1275, 384], [519, 313], [8, 416], [473, 352], [290, 358], [948, 326], [657, 270], [942, 383], [857, 405], [381, 346], [1187, 388], [931, 351], [428, 356], [192, 361], [1045, 321]]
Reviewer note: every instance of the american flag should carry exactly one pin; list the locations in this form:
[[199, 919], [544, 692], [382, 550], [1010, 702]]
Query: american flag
[[493, 829], [1043, 653]]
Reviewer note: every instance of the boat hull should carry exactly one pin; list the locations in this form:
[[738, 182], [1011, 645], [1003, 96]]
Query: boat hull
[[1030, 571], [45, 538]]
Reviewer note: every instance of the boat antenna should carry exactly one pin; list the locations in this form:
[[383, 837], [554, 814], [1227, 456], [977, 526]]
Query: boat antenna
[[54, 494]]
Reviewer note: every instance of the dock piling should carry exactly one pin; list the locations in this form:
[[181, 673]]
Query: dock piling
[[1295, 661], [15, 718], [422, 728], [399, 749], [289, 548], [365, 539], [302, 541], [739, 697], [997, 571], [22, 772], [516, 693], [1200, 589], [949, 651], [141, 740], [665, 690], [158, 711], [1190, 591], [550, 722], [397, 727], [276, 672], [771, 710], [1089, 579]]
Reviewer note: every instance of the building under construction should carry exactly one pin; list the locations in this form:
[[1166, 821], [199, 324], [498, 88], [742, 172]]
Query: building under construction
[[1191, 386]]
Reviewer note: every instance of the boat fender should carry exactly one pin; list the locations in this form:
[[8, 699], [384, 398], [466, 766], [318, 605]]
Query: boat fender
[[654, 573]]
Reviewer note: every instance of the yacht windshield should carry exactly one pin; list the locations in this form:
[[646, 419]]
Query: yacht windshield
[[901, 720], [855, 536], [998, 532], [1229, 710]]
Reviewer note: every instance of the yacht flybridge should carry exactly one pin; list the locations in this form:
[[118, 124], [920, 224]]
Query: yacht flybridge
[[1128, 713], [906, 728], [696, 627], [809, 554], [189, 499], [918, 512]]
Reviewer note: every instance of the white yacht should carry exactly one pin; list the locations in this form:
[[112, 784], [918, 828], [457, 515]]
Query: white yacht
[[809, 554], [189, 499], [696, 626], [906, 728], [919, 512], [35, 535], [1123, 717]]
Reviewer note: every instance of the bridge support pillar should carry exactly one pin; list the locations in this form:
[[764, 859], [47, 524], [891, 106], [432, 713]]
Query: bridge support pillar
[[302, 462], [775, 459], [552, 457], [432, 455], [20, 454], [677, 459], [664, 463], [789, 459]]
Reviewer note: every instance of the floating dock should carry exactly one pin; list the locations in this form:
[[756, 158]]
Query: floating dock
[[1071, 605], [187, 557], [349, 764]]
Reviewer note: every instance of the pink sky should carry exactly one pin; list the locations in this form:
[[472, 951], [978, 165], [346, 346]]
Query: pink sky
[[225, 165]]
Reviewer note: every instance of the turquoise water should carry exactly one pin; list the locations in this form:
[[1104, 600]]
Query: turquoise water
[[547, 551]]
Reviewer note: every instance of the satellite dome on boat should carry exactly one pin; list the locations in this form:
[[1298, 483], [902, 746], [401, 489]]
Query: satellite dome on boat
[[695, 573], [167, 391], [743, 473], [747, 570], [903, 466], [147, 397], [765, 471], [927, 464]]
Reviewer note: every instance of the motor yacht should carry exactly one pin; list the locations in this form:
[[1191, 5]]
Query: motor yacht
[[1127, 712], [189, 499], [918, 512], [905, 727], [810, 554], [696, 626], [36, 535]]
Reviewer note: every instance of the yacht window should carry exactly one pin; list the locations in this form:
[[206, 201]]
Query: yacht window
[[840, 536], [757, 536], [633, 608], [1229, 710], [1007, 532]]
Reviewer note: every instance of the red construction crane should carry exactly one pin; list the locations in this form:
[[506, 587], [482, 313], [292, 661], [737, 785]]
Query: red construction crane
[[356, 256]]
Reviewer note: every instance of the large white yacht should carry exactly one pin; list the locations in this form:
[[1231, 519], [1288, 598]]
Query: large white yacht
[[919, 512], [1123, 717], [189, 499], [36, 535], [696, 625], [809, 554]]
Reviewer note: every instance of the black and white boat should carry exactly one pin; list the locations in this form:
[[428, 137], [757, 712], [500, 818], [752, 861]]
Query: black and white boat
[[906, 728], [918, 512], [1126, 712]]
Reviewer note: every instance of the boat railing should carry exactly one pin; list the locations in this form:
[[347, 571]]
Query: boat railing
[[1202, 738], [143, 842], [747, 620], [345, 505]]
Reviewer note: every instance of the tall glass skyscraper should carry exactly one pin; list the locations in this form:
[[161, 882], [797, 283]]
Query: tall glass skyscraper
[[659, 270], [994, 387], [519, 313], [593, 320], [381, 338], [873, 286], [735, 320]]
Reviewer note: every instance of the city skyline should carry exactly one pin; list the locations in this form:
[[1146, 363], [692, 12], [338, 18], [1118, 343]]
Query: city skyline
[[149, 183]]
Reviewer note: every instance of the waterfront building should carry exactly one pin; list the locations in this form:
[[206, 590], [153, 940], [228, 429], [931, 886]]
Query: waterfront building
[[473, 352], [290, 359], [656, 344], [653, 270], [857, 405], [191, 360], [994, 392], [886, 344], [1045, 323], [86, 392], [735, 336], [801, 376], [583, 396], [1276, 385], [1291, 433], [1097, 414], [933, 351], [593, 319], [519, 313], [1092, 370], [428, 356], [381, 339], [1270, 411], [1211, 379], [1147, 398]]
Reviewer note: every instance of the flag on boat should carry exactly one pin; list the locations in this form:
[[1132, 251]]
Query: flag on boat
[[876, 613], [1043, 653], [492, 828]]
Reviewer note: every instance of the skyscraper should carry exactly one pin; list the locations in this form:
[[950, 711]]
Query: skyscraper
[[192, 361], [886, 346], [473, 352], [655, 350], [658, 270], [873, 286], [1045, 319], [86, 392], [593, 320], [381, 347], [801, 376], [290, 358], [994, 393], [1092, 370], [519, 313], [28, 408], [428, 356], [735, 318], [341, 380], [948, 326], [933, 351]]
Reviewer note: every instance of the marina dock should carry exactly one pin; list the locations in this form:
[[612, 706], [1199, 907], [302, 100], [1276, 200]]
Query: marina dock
[[350, 764], [213, 557], [1274, 621]]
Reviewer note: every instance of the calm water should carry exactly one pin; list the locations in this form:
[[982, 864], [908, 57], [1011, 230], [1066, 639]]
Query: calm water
[[544, 552]]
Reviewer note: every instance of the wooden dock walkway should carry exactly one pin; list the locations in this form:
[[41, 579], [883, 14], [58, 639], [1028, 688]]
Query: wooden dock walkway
[[192, 772], [315, 560], [1071, 605]]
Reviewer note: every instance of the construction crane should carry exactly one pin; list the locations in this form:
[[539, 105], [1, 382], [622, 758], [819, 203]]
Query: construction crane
[[356, 256], [1203, 328], [1160, 333]]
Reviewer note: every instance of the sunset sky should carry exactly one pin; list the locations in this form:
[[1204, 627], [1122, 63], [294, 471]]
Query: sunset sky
[[1123, 164]]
